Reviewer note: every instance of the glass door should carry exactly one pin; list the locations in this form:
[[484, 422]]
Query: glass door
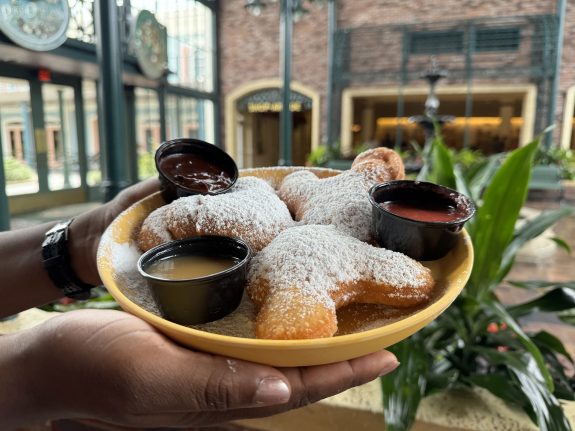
[[61, 137], [17, 137], [188, 117]]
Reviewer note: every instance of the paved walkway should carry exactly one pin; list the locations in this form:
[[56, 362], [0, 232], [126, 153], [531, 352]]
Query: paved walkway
[[59, 213]]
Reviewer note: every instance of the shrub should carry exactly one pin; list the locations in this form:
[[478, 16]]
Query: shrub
[[17, 170], [478, 340]]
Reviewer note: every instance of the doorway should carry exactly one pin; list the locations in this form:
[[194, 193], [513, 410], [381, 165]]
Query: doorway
[[42, 140], [252, 132]]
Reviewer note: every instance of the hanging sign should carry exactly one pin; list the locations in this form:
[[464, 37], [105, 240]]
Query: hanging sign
[[150, 41], [39, 25], [270, 100]]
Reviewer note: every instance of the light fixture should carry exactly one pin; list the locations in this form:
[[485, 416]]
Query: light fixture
[[255, 7], [299, 11]]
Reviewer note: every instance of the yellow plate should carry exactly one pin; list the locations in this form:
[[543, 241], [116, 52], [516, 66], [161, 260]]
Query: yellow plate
[[451, 274]]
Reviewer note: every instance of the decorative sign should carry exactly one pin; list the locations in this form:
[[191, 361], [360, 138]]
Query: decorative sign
[[269, 100], [150, 40], [39, 25]]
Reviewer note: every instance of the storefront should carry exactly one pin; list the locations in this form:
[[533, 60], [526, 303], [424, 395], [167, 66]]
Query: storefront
[[50, 114]]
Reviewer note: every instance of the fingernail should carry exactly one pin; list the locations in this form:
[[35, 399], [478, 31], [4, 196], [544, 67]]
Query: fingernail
[[389, 368], [272, 390]]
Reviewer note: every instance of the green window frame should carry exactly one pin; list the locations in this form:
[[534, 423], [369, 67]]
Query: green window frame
[[497, 39], [437, 42]]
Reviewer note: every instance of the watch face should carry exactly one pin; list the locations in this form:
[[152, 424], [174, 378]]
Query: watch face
[[150, 45], [39, 25]]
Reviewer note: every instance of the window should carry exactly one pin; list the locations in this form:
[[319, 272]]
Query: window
[[497, 39], [437, 42]]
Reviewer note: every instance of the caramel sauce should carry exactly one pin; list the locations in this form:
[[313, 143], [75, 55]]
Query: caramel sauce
[[194, 173], [189, 267]]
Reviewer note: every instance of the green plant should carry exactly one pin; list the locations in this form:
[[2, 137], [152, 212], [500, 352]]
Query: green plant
[[564, 158], [321, 155], [478, 341], [146, 165], [100, 299], [16, 170]]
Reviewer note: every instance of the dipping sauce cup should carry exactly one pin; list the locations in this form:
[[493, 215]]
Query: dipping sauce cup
[[196, 280], [190, 166], [419, 219]]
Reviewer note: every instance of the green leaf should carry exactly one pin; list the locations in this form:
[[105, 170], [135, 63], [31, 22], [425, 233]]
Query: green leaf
[[543, 406], [559, 299], [544, 339], [495, 220], [541, 284], [531, 229], [562, 243], [403, 389], [498, 384], [500, 311], [479, 178], [442, 171]]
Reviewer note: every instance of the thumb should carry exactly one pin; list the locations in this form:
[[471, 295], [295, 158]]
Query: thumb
[[216, 383]]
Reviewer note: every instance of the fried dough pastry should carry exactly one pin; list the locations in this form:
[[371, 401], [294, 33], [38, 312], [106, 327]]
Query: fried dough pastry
[[341, 200], [307, 272], [251, 211]]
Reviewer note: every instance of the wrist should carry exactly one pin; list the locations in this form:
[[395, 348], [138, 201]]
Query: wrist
[[84, 237]]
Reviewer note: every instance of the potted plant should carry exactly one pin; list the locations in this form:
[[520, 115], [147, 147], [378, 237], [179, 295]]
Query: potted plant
[[478, 341]]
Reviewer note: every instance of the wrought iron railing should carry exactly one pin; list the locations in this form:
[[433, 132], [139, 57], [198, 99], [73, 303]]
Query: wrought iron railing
[[489, 47]]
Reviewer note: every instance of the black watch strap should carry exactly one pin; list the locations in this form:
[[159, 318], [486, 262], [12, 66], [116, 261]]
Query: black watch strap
[[56, 261]]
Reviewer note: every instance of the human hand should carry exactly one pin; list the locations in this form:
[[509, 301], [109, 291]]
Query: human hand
[[115, 368], [87, 229]]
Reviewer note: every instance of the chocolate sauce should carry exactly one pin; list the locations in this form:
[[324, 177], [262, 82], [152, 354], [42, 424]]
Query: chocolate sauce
[[194, 173], [426, 212]]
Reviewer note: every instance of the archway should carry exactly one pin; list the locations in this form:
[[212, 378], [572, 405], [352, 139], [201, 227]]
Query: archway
[[252, 123]]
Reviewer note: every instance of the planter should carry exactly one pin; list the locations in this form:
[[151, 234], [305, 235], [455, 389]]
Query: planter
[[360, 409]]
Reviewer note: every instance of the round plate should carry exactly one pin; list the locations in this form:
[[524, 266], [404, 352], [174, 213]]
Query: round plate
[[450, 273]]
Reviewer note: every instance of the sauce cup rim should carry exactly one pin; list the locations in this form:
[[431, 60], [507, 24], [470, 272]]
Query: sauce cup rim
[[175, 243], [439, 224], [164, 146]]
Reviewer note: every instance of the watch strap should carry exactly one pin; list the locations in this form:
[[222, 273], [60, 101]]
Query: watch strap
[[57, 263]]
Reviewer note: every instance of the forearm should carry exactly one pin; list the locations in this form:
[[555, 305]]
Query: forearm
[[24, 283]]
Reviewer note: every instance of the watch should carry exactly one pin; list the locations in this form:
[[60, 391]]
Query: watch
[[56, 261]]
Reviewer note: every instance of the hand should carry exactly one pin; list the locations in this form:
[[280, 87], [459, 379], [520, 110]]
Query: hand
[[87, 229], [113, 367]]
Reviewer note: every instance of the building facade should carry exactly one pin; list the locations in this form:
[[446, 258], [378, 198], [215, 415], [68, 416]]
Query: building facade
[[504, 82], [356, 80], [54, 139]]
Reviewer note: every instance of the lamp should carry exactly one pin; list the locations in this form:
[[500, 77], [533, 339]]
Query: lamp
[[299, 11], [255, 7], [290, 11]]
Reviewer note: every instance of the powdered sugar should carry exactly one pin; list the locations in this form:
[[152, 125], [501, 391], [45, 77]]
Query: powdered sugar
[[341, 201], [133, 285], [250, 211], [307, 272], [318, 259]]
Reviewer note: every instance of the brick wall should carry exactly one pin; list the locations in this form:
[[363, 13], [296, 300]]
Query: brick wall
[[249, 48]]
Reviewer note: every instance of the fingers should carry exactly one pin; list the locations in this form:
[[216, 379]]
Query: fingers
[[138, 191], [307, 385], [212, 383], [311, 384]]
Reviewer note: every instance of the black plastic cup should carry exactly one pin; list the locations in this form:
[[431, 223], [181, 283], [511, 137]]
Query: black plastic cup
[[172, 188], [202, 299], [420, 240]]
